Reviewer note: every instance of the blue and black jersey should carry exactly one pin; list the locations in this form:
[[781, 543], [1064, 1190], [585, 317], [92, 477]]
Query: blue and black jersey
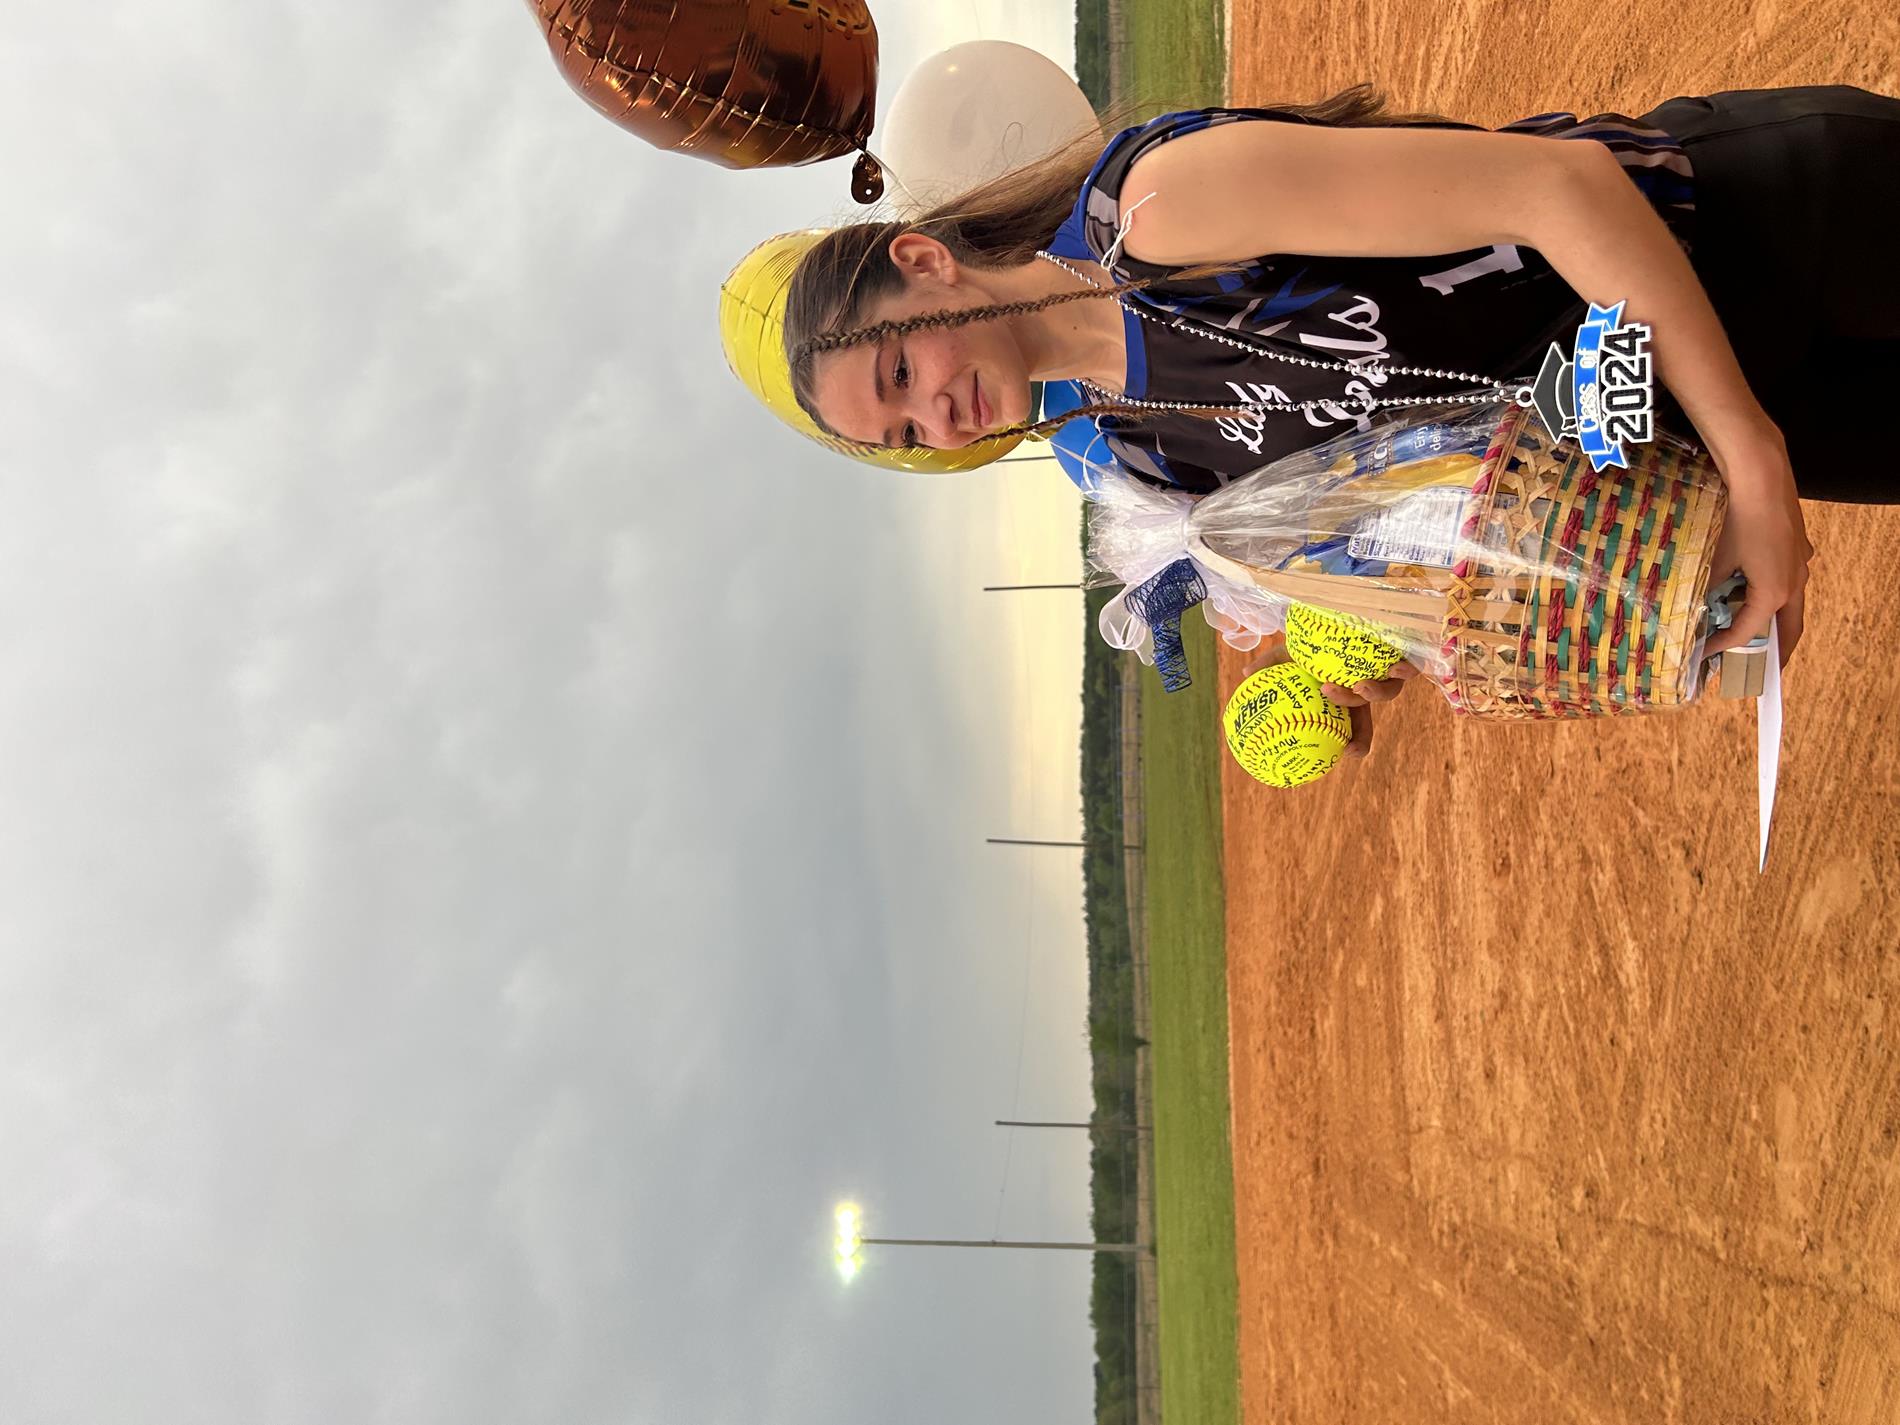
[[1490, 311]]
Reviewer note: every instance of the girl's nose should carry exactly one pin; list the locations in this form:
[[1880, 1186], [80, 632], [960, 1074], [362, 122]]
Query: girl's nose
[[936, 419]]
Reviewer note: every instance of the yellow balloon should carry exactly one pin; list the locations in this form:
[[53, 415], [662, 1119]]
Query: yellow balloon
[[752, 330]]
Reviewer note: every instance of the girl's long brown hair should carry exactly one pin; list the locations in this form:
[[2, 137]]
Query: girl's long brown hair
[[1002, 223]]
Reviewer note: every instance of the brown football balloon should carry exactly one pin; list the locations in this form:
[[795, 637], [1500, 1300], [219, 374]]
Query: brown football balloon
[[744, 83]]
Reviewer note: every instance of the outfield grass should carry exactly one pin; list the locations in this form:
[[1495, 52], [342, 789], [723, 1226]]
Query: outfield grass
[[1174, 54], [1187, 988]]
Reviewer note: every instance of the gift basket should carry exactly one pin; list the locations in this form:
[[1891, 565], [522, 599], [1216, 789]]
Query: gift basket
[[1520, 580]]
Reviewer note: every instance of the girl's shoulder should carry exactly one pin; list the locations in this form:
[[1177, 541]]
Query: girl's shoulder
[[1094, 218], [1094, 223]]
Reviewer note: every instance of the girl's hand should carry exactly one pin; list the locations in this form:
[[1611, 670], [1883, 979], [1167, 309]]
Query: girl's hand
[[1765, 537], [1357, 700]]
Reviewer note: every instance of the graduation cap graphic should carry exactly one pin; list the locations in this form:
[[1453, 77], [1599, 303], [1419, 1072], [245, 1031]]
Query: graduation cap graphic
[[1554, 395], [1595, 400]]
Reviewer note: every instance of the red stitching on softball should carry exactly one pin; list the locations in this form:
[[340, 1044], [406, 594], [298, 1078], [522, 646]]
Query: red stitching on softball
[[1308, 720]]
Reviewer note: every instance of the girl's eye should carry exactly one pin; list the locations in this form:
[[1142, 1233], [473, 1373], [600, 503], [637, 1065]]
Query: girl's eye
[[900, 375]]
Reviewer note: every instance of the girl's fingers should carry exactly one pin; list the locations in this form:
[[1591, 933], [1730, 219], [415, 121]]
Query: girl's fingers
[[1752, 620], [1272, 650], [1361, 742], [1359, 694], [1790, 621], [1382, 691]]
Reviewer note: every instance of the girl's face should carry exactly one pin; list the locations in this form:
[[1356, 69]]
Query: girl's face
[[941, 388]]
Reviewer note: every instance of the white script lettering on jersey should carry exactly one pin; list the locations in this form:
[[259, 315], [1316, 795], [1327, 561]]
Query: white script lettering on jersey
[[1364, 350], [1246, 428], [1365, 353], [1370, 341]]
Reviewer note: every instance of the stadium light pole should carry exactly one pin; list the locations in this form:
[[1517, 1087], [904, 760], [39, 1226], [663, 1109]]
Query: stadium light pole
[[1072, 845], [1093, 1125], [848, 1245]]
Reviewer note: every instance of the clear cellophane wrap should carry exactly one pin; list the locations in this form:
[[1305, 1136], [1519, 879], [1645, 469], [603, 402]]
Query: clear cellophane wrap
[[1521, 581]]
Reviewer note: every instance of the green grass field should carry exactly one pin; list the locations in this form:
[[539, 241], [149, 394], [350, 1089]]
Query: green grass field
[[1187, 987], [1174, 54]]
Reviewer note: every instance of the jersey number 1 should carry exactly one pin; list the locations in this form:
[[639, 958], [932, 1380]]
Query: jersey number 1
[[1502, 258]]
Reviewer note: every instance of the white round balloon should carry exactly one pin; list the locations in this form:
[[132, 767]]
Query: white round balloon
[[973, 112]]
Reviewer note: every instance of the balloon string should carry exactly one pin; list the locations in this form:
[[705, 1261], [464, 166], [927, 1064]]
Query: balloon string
[[1121, 233]]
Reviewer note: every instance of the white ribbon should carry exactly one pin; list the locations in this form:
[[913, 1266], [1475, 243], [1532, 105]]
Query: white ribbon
[[1136, 531]]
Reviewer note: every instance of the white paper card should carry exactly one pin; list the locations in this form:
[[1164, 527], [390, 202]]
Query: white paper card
[[1768, 743]]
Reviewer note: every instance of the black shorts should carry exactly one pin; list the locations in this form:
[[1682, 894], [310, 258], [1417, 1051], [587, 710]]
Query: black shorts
[[1796, 240]]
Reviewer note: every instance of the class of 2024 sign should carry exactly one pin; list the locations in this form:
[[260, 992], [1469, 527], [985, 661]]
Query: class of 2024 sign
[[1602, 393]]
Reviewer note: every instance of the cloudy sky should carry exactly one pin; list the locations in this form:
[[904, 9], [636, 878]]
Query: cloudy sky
[[494, 825]]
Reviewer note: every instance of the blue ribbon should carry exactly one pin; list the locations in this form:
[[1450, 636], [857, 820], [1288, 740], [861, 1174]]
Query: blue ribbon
[[1159, 603], [1583, 378]]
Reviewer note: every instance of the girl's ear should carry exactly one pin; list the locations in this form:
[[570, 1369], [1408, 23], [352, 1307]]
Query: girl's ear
[[919, 255]]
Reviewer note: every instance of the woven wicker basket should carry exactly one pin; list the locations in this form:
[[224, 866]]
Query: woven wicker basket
[[1570, 593]]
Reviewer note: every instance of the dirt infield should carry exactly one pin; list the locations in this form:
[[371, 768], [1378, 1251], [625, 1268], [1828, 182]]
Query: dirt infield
[[1546, 1108]]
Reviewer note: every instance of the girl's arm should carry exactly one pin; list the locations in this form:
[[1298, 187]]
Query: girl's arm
[[1242, 190], [1239, 191]]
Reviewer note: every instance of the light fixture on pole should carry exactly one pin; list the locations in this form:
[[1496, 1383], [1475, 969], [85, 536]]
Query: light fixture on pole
[[848, 1245], [845, 1247]]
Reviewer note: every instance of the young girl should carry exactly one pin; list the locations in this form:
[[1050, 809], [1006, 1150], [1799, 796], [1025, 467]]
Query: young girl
[[1335, 258]]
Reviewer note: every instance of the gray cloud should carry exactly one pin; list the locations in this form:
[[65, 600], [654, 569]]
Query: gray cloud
[[495, 836]]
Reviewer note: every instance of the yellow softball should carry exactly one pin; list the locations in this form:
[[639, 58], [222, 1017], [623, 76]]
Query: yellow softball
[[1282, 730], [1338, 648]]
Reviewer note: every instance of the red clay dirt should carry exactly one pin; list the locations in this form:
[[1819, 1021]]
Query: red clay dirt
[[1546, 1107]]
